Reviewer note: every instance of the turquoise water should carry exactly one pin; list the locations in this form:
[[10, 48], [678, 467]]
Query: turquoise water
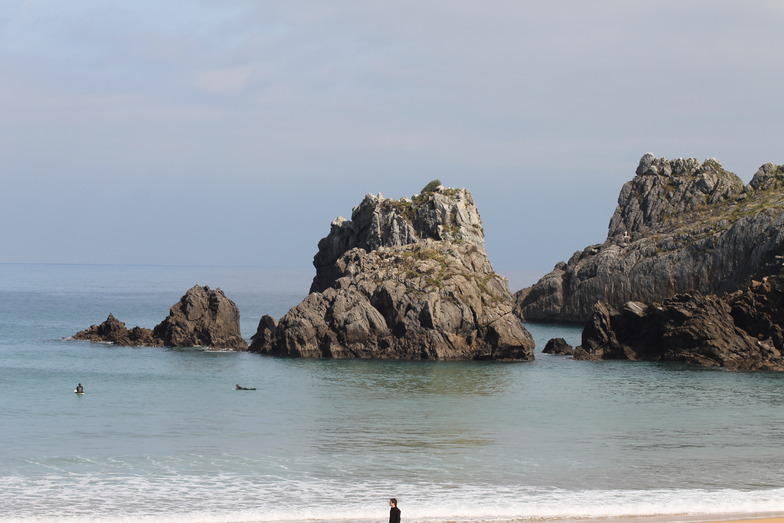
[[160, 434]]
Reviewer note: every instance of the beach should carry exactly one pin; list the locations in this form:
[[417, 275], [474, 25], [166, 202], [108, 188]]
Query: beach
[[766, 517]]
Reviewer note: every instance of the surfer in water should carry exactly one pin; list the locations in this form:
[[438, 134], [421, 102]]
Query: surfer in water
[[79, 389], [237, 387]]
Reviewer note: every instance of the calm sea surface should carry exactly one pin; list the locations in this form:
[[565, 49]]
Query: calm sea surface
[[161, 434]]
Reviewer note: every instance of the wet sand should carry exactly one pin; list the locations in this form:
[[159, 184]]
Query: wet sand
[[761, 517], [765, 517]]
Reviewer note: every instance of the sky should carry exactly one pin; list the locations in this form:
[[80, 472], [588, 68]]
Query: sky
[[233, 132]]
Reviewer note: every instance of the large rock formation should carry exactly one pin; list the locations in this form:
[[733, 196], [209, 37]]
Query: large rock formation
[[739, 331], [202, 318], [679, 226], [406, 279]]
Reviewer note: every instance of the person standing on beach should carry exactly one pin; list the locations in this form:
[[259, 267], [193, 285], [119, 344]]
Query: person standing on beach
[[394, 512]]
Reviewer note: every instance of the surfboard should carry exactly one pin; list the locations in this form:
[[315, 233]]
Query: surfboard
[[78, 392]]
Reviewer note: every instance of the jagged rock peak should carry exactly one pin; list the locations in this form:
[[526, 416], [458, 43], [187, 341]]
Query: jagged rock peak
[[665, 188], [438, 213], [769, 176]]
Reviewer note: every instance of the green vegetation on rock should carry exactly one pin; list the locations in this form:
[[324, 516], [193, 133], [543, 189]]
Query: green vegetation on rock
[[431, 187]]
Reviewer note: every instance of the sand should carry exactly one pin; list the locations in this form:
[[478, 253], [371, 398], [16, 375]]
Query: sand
[[690, 518]]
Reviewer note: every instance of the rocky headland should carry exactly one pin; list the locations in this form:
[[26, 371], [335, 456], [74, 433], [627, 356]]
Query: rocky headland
[[738, 331], [680, 226], [203, 317], [403, 279]]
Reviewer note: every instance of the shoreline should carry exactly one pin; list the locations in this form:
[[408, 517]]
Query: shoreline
[[728, 517]]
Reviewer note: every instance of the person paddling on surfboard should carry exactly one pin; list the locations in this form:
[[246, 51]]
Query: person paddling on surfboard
[[79, 389]]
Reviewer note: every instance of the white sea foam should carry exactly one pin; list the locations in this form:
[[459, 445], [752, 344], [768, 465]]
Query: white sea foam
[[234, 498]]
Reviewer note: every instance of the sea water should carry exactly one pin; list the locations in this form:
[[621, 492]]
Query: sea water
[[161, 434]]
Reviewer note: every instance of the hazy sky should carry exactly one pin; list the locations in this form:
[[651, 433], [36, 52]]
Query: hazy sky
[[233, 132]]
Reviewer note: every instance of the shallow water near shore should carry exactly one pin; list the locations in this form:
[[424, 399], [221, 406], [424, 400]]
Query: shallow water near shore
[[161, 434]]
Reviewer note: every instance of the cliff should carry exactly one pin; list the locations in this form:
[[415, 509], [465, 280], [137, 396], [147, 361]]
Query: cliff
[[203, 317], [679, 226], [404, 279]]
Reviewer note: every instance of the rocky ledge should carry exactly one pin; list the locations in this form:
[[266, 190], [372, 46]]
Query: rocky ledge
[[404, 279], [737, 331], [680, 226], [202, 318]]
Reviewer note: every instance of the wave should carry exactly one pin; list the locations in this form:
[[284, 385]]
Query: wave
[[183, 499]]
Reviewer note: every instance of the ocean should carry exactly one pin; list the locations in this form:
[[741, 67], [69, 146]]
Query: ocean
[[161, 434]]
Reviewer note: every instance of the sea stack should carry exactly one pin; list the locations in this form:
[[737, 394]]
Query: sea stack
[[680, 226], [403, 279], [203, 317]]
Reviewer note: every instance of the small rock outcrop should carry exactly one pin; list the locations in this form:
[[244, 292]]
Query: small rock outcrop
[[738, 331], [114, 331], [558, 346], [404, 279], [202, 318], [680, 226]]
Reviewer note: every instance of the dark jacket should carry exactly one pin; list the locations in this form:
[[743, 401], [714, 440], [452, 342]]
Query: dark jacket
[[394, 515]]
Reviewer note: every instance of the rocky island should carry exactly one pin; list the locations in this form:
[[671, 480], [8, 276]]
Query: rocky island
[[680, 226], [203, 317], [403, 279]]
